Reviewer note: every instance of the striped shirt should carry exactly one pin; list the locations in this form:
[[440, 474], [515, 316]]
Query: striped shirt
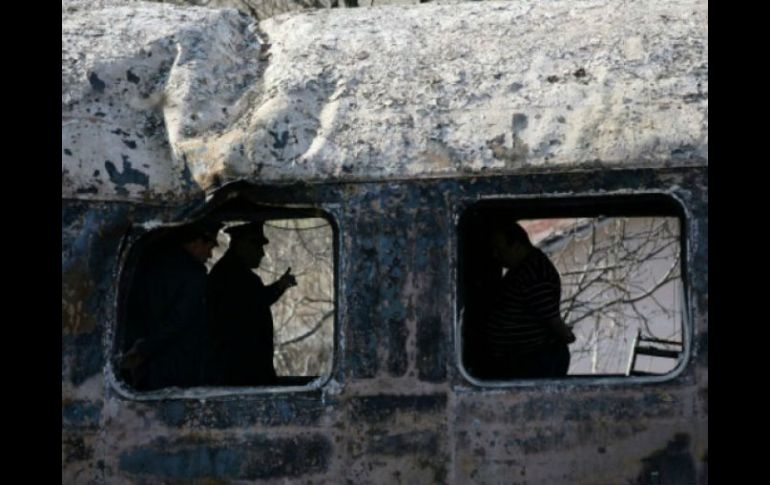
[[528, 296]]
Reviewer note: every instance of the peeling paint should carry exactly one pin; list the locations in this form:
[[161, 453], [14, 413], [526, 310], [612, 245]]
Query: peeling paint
[[374, 409], [128, 175], [76, 448], [273, 411], [81, 414], [173, 104], [257, 457], [396, 406], [415, 442], [494, 102]]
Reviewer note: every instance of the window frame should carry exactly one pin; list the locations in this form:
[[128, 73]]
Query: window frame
[[569, 205], [136, 238]]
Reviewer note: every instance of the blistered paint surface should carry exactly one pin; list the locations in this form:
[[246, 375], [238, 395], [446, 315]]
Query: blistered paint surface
[[136, 79], [161, 102], [397, 408]]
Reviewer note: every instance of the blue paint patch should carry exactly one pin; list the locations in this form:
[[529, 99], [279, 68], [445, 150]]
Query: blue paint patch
[[97, 84], [362, 359], [173, 413], [89, 248], [187, 178], [79, 245], [285, 411], [129, 175], [86, 352], [519, 123], [279, 141], [431, 350], [256, 458], [131, 77], [186, 463], [81, 414], [244, 412], [118, 131], [424, 443]]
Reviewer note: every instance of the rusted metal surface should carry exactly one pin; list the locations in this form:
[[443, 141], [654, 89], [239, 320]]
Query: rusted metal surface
[[392, 121], [162, 103], [396, 408]]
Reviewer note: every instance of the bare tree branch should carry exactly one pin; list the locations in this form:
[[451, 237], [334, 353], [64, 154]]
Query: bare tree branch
[[609, 267], [310, 332]]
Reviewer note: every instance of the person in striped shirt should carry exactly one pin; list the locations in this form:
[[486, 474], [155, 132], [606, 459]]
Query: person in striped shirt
[[523, 331]]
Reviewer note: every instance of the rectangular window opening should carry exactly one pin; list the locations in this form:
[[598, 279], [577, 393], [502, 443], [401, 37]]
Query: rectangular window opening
[[618, 292], [237, 300]]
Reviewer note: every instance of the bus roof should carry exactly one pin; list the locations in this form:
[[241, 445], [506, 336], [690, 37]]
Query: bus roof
[[165, 103]]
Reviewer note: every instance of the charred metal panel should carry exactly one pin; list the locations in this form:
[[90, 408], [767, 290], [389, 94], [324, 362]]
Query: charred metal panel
[[571, 404], [77, 447], [80, 457], [380, 409], [397, 241], [81, 414], [396, 407], [426, 291], [82, 356], [280, 410], [398, 437], [257, 457], [414, 442], [92, 234], [431, 352], [380, 331]]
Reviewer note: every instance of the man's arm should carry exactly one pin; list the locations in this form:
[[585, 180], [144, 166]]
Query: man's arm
[[277, 289]]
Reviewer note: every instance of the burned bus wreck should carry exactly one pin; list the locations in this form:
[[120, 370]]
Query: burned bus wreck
[[369, 146]]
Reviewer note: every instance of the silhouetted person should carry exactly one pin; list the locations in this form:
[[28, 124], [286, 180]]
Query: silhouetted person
[[523, 332], [167, 311], [241, 323], [481, 278]]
